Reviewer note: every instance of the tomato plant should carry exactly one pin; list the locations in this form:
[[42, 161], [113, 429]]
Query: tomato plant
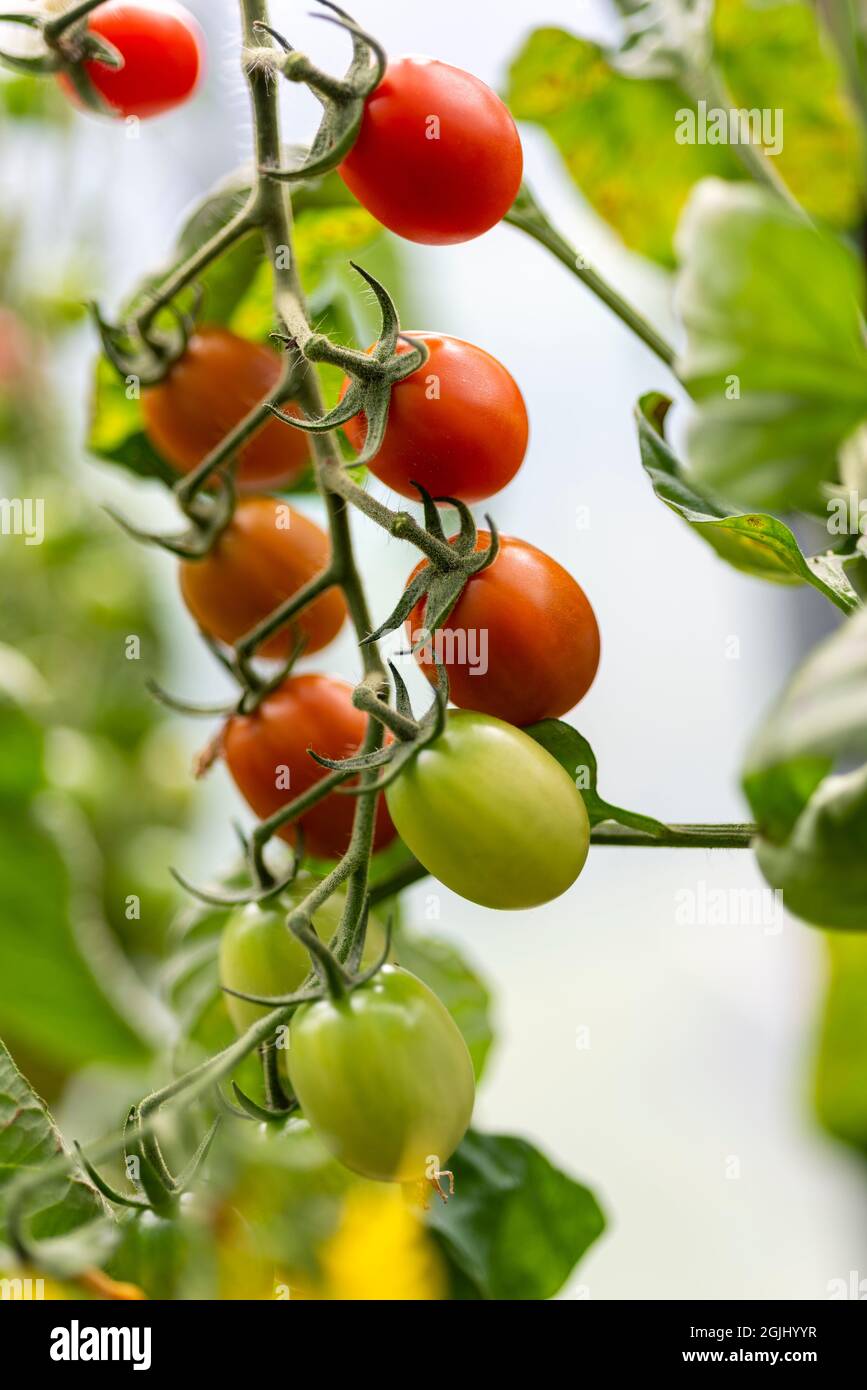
[[162, 48], [464, 804], [267, 553], [458, 425], [268, 755], [522, 641], [383, 1076], [438, 158], [497, 799], [210, 389]]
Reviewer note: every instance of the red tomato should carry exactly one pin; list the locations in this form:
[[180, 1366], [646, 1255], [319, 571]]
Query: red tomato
[[458, 425], [163, 50], [526, 627], [269, 748], [438, 158], [208, 391], [267, 553]]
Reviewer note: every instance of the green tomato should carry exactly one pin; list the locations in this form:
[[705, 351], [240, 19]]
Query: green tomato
[[260, 955], [383, 1076], [491, 814]]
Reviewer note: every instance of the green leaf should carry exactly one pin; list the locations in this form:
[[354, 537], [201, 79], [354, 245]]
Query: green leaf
[[574, 753], [823, 712], [777, 57], [841, 1061], [66, 1215], [50, 997], [518, 1226], [813, 827], [616, 116], [775, 355], [616, 135], [754, 543], [821, 869], [441, 966]]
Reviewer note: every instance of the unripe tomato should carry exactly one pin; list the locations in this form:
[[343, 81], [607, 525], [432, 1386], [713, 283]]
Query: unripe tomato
[[265, 555], [438, 158], [491, 814], [383, 1076], [458, 425], [163, 50], [260, 955], [270, 748], [208, 391], [522, 641]]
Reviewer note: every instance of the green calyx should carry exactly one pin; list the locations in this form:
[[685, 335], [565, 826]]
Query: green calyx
[[372, 374], [67, 46], [342, 98], [411, 735], [439, 584]]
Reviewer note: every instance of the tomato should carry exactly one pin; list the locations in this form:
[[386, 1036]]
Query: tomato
[[458, 425], [266, 749], [522, 641], [383, 1076], [267, 553], [438, 158], [208, 391], [260, 955], [163, 50], [491, 814]]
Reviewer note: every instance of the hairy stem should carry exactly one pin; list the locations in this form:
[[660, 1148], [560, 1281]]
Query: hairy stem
[[529, 217]]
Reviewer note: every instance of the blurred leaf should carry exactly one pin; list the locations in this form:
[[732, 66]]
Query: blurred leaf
[[49, 996], [753, 543], [777, 56], [841, 1060], [574, 753], [775, 353], [25, 98], [618, 131], [517, 1226], [821, 869], [441, 966], [65, 1213], [616, 135], [813, 833]]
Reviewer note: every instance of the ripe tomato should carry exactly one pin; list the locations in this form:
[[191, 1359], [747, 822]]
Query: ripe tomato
[[266, 553], [458, 425], [269, 748], [163, 50], [218, 381], [521, 642], [383, 1076], [438, 158], [491, 814], [260, 955]]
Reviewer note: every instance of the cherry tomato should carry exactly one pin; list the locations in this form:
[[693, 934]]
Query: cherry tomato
[[260, 955], [267, 553], [522, 641], [163, 50], [491, 814], [270, 748], [438, 158], [458, 425], [383, 1076], [208, 391]]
